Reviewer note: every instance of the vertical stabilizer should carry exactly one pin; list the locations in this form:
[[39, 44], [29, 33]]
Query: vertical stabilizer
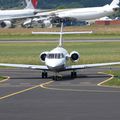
[[31, 4], [61, 36], [115, 3]]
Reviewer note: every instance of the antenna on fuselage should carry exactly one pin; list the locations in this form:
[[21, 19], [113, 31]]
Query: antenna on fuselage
[[61, 36]]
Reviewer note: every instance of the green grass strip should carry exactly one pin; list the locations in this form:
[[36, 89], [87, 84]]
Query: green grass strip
[[2, 78], [116, 80], [28, 53], [67, 37]]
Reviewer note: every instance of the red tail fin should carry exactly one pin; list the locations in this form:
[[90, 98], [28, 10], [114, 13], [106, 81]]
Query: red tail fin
[[35, 3]]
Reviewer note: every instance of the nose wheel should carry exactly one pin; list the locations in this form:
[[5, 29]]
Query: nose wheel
[[57, 78], [44, 74]]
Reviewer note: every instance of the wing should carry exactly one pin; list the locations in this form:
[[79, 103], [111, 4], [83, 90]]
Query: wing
[[84, 66], [36, 67], [16, 17]]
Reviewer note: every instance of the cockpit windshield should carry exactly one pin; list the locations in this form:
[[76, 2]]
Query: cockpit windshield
[[55, 55]]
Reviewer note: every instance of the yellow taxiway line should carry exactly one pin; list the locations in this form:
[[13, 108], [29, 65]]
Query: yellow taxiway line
[[6, 79], [45, 86], [25, 90], [112, 76]]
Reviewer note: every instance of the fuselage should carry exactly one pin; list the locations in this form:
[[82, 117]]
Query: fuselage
[[89, 13], [86, 13], [56, 59], [14, 14]]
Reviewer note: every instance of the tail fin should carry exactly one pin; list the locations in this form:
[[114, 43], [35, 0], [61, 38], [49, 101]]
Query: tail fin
[[31, 4], [115, 3], [61, 36], [61, 33]]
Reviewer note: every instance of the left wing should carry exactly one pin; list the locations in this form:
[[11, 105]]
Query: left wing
[[36, 67], [84, 66]]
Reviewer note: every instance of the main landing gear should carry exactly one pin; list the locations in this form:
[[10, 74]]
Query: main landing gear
[[58, 77], [44, 74], [73, 74]]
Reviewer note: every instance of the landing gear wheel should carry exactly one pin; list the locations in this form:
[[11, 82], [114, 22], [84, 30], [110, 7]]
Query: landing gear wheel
[[73, 74], [44, 75], [57, 78]]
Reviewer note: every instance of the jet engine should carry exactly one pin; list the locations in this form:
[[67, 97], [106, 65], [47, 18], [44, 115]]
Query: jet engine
[[47, 24], [43, 56], [6, 24], [74, 56]]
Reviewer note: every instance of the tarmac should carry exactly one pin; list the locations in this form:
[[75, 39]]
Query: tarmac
[[26, 96]]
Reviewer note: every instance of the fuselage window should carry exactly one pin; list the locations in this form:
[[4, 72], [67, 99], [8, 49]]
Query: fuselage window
[[55, 56]]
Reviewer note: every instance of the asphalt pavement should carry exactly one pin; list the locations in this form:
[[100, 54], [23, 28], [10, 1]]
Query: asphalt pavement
[[26, 96]]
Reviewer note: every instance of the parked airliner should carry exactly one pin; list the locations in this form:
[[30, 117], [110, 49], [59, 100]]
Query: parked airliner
[[6, 16], [56, 59], [90, 13], [80, 14]]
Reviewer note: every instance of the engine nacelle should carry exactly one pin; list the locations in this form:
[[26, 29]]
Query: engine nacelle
[[74, 56], [6, 24], [47, 23], [43, 56]]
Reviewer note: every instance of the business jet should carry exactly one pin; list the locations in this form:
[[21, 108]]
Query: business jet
[[56, 59], [79, 14], [7, 16]]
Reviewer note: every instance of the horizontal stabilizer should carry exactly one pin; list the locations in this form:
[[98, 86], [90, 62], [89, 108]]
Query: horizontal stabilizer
[[57, 33]]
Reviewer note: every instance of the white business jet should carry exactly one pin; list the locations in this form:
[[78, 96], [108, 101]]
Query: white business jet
[[56, 59], [7, 16]]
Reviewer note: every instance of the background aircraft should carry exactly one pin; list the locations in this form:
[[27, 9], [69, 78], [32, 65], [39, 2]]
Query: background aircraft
[[7, 16], [80, 14], [56, 59]]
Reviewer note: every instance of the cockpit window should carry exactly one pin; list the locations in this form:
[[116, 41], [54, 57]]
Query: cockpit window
[[55, 56]]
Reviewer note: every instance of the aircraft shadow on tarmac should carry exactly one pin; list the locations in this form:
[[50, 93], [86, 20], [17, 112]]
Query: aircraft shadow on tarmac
[[65, 77]]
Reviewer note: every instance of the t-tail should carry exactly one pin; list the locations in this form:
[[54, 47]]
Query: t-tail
[[61, 33], [61, 36], [31, 4]]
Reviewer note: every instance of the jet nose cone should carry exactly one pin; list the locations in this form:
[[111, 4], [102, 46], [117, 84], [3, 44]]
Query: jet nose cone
[[55, 65]]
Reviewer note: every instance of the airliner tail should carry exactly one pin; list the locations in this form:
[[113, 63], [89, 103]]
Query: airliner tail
[[115, 3], [31, 4]]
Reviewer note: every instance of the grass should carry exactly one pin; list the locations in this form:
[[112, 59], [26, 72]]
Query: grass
[[28, 53], [1, 78], [115, 81], [100, 32]]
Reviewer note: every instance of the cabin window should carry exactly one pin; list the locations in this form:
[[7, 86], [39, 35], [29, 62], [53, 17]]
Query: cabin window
[[55, 56]]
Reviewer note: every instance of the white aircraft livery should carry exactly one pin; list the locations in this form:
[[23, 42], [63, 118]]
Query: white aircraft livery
[[56, 59], [80, 14], [90, 13], [6, 16]]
